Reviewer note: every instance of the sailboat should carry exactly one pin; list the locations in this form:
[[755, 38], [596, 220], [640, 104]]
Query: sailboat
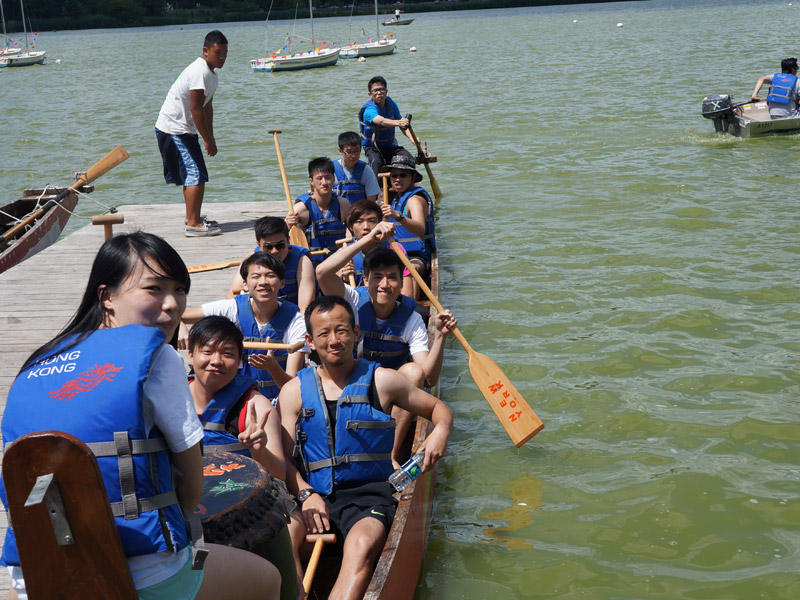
[[7, 50], [377, 48], [22, 59], [316, 57]]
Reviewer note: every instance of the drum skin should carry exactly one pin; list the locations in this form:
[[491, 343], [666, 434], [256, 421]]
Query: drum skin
[[241, 508]]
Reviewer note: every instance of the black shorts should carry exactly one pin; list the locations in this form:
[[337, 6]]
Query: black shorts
[[183, 158], [348, 504]]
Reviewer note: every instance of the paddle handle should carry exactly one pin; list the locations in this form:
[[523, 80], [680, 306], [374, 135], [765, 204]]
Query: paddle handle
[[108, 222], [427, 291], [275, 133], [435, 186], [311, 569], [212, 266]]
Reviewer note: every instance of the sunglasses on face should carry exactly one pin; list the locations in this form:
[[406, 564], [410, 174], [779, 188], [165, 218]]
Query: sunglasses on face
[[269, 247]]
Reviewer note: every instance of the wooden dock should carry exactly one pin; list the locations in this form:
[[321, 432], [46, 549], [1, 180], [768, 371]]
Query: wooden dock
[[39, 295]]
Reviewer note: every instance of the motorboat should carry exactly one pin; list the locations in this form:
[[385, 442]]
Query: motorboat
[[745, 119]]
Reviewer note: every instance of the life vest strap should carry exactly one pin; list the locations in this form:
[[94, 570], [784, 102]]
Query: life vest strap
[[217, 448], [120, 509], [214, 427], [356, 425], [347, 458], [137, 447]]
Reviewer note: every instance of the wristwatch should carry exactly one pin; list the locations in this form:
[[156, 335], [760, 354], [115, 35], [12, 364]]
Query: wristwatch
[[303, 495]]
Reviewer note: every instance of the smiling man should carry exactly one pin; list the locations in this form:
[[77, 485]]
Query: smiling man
[[262, 317], [338, 414]]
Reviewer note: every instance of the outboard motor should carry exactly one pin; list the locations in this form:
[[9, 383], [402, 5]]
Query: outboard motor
[[719, 109]]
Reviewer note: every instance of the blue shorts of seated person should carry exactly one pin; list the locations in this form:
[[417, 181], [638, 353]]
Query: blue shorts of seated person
[[183, 158]]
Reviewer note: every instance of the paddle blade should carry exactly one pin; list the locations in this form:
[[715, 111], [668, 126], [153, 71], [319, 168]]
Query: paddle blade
[[212, 266], [103, 166], [520, 421], [297, 237]]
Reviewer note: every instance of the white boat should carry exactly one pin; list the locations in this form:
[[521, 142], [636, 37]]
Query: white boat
[[316, 57], [378, 48], [745, 119], [395, 22], [21, 59], [384, 46]]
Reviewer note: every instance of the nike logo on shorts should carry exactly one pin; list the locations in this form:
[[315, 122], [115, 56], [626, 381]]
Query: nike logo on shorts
[[375, 512]]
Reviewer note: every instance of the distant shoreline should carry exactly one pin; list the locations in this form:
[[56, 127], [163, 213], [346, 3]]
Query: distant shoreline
[[209, 15]]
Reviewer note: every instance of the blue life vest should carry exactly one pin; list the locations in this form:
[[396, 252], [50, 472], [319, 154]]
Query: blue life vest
[[383, 344], [274, 331], [94, 391], [780, 91], [350, 188], [359, 450], [289, 291], [216, 437], [324, 229], [376, 135], [414, 244]]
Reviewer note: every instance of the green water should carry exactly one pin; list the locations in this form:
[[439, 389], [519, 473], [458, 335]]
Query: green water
[[634, 275]]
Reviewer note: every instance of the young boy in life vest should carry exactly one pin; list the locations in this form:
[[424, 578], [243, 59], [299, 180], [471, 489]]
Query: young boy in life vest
[[392, 332], [262, 317], [355, 180], [352, 498], [321, 212], [364, 217], [224, 397], [300, 284], [411, 211]]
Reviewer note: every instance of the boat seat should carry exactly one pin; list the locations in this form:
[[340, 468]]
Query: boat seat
[[757, 111], [68, 542]]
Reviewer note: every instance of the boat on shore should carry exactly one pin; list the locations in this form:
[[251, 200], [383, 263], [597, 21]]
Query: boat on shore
[[41, 231], [745, 119]]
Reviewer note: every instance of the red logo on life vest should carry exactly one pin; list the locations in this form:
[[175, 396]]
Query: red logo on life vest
[[85, 382]]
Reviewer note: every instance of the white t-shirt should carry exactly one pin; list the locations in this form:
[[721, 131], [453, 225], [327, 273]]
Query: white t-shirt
[[175, 116], [414, 333], [295, 332], [167, 405]]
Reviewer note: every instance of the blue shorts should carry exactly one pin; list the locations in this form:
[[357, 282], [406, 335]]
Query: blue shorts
[[184, 584], [183, 158]]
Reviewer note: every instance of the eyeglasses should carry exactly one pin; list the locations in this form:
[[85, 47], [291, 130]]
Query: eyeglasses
[[400, 175], [269, 247], [351, 152], [377, 90]]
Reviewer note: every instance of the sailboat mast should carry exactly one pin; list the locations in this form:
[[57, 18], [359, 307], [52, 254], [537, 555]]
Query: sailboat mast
[[3, 18], [311, 14], [24, 30], [377, 22]]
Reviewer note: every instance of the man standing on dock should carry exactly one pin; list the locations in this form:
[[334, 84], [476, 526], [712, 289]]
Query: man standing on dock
[[377, 119], [186, 111]]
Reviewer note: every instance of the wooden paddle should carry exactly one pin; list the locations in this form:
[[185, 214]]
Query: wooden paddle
[[435, 186], [213, 266], [104, 165], [520, 421], [296, 235], [318, 539], [290, 348]]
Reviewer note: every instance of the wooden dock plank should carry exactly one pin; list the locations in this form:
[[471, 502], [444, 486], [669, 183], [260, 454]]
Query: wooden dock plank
[[38, 296]]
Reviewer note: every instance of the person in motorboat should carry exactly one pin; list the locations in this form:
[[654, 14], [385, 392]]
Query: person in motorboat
[[377, 119], [262, 317], [784, 91], [411, 210], [300, 284], [137, 389], [354, 181], [336, 420], [320, 212]]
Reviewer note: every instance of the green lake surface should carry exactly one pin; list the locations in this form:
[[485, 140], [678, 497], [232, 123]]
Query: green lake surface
[[633, 273]]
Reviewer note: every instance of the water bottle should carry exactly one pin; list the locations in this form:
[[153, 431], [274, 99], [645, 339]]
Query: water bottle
[[408, 472]]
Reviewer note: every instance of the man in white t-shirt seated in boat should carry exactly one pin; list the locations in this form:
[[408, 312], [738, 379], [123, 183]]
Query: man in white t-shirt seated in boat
[[784, 91], [392, 332]]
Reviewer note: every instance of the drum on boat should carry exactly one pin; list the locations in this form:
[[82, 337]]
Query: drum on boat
[[244, 507]]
